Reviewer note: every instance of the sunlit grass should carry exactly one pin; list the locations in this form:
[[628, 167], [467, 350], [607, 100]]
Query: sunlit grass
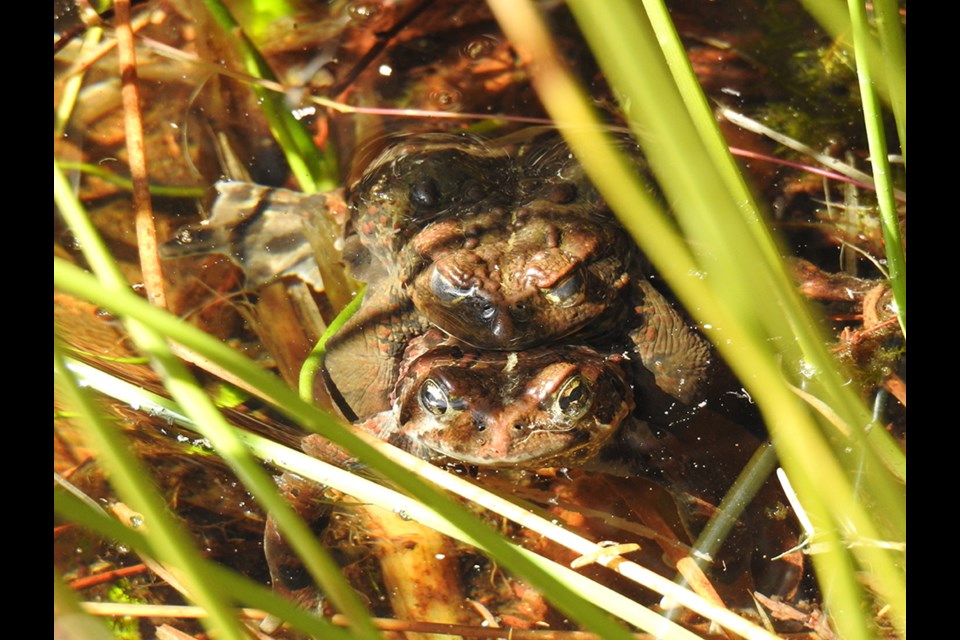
[[876, 138], [725, 266], [367, 492], [241, 589], [203, 412]]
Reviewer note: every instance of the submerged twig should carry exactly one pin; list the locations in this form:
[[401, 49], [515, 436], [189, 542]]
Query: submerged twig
[[133, 125]]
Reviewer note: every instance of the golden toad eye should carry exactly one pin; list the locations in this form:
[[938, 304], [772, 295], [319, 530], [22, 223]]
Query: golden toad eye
[[573, 399], [566, 293], [433, 397]]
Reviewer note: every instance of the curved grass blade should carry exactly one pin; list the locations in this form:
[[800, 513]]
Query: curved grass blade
[[243, 590], [876, 138], [130, 482], [203, 412]]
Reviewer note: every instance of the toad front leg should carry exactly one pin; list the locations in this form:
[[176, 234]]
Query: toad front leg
[[363, 358], [674, 353]]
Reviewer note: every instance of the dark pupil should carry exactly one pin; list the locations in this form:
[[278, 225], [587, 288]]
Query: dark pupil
[[425, 193], [572, 398], [571, 286], [433, 398]]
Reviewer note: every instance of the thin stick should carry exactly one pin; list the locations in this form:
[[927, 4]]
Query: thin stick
[[133, 124], [107, 576], [146, 229]]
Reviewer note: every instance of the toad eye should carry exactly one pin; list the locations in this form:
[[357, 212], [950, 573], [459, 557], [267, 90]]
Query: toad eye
[[566, 293], [433, 397], [425, 193], [573, 399]]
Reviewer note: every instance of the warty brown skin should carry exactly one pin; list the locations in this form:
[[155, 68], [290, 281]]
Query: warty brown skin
[[505, 247], [554, 406]]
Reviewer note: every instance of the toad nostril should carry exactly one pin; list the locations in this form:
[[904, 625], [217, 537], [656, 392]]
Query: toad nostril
[[562, 193], [294, 577], [472, 190], [521, 312]]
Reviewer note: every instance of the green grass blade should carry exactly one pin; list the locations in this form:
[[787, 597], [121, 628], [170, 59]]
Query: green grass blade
[[735, 283], [748, 484], [308, 372], [71, 87], [876, 138], [127, 184], [890, 31], [834, 17], [130, 481], [313, 170], [243, 590], [203, 412]]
